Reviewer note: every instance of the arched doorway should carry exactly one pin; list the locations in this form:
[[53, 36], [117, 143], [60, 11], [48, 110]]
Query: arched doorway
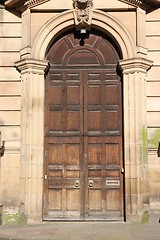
[[83, 131]]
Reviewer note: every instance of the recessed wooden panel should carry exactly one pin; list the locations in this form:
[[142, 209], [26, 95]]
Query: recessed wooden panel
[[95, 200], [58, 52], [112, 121], [56, 120], [55, 173], [55, 91], [111, 77], [94, 154], [73, 121], [94, 95], [73, 76], [111, 94], [72, 154], [83, 56], [73, 95], [55, 199], [94, 173], [113, 199], [112, 154], [55, 154], [72, 174], [55, 77], [73, 200], [112, 173], [94, 121], [94, 77]]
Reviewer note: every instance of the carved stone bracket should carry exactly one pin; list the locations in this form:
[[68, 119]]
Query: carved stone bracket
[[21, 5], [83, 13], [32, 3], [144, 4]]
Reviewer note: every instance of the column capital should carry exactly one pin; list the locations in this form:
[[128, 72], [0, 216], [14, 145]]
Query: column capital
[[133, 65], [31, 66]]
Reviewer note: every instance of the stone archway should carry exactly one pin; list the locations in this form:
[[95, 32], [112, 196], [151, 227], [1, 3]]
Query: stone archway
[[83, 130], [135, 149], [65, 21]]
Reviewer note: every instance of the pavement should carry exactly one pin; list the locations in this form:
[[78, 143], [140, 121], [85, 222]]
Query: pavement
[[81, 231]]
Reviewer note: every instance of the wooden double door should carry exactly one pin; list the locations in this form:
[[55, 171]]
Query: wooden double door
[[83, 139]]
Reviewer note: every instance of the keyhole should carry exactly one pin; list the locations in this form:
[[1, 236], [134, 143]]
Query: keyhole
[[81, 42]]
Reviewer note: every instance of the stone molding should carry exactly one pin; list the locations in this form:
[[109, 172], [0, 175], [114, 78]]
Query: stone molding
[[136, 3], [145, 4], [135, 65], [32, 3], [20, 5], [31, 65]]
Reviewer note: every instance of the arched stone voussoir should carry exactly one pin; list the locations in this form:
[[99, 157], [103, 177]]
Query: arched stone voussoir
[[65, 21]]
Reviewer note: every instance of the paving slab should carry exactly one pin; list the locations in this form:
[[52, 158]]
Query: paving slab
[[144, 231], [81, 231]]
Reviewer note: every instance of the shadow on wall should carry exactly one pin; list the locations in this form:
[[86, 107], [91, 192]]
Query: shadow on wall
[[2, 147]]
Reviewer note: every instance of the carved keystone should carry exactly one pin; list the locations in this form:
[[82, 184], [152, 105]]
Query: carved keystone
[[82, 13]]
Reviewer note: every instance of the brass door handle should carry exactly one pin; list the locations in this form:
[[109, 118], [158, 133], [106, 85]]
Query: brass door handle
[[76, 184], [90, 183]]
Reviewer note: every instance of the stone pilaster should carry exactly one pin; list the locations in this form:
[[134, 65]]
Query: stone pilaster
[[135, 136], [32, 123]]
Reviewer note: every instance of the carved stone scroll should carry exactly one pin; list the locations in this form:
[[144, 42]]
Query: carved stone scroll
[[83, 13], [32, 3]]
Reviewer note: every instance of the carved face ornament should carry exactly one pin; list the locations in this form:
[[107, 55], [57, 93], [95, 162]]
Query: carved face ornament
[[82, 13]]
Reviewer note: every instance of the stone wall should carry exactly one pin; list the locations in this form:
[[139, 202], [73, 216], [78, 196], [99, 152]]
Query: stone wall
[[10, 98], [153, 108]]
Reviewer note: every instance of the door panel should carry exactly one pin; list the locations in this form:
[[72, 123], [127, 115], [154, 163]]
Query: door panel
[[64, 145], [83, 133], [103, 178], [63, 198], [64, 103], [102, 103]]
